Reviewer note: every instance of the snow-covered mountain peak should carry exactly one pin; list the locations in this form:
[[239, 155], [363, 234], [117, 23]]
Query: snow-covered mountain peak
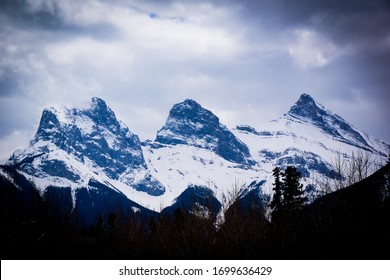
[[91, 136], [190, 124], [311, 138], [191, 114], [188, 104], [306, 108], [94, 120], [101, 113], [98, 102]]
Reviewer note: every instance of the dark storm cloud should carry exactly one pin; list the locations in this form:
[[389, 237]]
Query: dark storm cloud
[[246, 60], [8, 82], [360, 27], [300, 12], [52, 18], [343, 20], [358, 22], [19, 12]]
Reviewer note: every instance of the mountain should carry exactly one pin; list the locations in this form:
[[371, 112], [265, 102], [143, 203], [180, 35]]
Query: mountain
[[69, 140], [312, 138], [79, 154], [190, 124], [306, 109], [91, 162], [194, 148]]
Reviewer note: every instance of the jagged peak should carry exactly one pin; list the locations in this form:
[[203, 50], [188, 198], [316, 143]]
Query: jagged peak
[[306, 98], [98, 106], [88, 134], [189, 118], [95, 105], [95, 112], [308, 110], [190, 113], [189, 105], [98, 103], [92, 107], [306, 107], [190, 124]]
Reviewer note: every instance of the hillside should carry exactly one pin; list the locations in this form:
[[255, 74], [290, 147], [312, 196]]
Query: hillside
[[352, 223]]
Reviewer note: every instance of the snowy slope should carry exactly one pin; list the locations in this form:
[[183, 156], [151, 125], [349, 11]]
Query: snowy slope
[[178, 166], [311, 138]]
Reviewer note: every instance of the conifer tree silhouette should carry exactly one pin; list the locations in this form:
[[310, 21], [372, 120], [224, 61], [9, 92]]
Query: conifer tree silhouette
[[276, 203], [288, 193], [293, 198]]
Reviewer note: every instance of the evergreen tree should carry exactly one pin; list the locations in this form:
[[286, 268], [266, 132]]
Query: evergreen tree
[[293, 198], [276, 203]]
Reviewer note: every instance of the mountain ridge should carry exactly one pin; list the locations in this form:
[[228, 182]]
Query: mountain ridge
[[81, 148]]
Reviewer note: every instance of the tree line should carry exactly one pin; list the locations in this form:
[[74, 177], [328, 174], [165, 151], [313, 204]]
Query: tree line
[[335, 226]]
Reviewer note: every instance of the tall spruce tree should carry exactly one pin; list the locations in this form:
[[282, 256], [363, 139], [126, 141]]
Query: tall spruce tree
[[293, 198], [276, 203]]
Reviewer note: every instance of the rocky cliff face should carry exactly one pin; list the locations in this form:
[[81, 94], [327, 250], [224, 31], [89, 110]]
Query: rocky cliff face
[[190, 124]]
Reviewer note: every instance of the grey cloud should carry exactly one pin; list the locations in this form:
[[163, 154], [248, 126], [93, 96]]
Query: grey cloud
[[344, 22], [19, 14], [253, 85], [18, 11], [300, 12], [9, 82]]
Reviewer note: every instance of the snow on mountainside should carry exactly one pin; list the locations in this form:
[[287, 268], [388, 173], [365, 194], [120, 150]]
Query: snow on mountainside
[[309, 137], [194, 148], [178, 166], [308, 110], [88, 149]]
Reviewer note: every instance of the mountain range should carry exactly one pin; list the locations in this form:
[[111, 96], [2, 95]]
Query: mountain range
[[89, 163]]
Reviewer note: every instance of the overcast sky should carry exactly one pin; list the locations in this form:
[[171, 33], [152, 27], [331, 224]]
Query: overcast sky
[[247, 61]]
